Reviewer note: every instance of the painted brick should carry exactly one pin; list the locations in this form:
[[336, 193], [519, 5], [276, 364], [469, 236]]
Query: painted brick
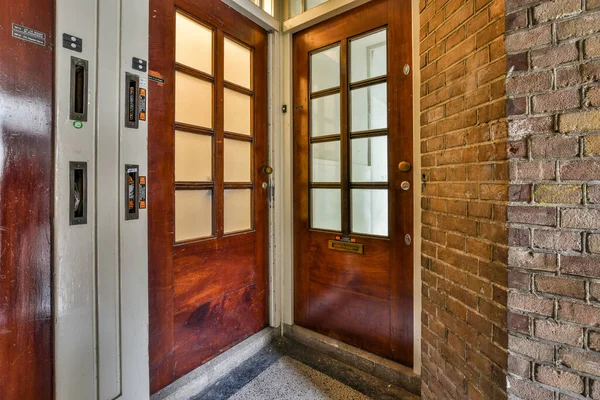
[[520, 128], [560, 286], [560, 379], [564, 194], [534, 171], [557, 332]]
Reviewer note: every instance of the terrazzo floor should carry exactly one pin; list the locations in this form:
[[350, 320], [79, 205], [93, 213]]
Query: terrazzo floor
[[286, 370], [290, 379]]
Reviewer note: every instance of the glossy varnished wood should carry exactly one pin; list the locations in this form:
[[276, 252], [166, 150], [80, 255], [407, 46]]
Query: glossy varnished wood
[[26, 165], [206, 295], [365, 300]]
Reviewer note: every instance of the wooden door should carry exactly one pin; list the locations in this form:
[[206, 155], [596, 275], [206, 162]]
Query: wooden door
[[26, 182], [353, 220], [207, 204]]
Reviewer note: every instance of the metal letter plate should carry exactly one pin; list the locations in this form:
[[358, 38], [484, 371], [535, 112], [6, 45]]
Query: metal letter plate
[[347, 247]]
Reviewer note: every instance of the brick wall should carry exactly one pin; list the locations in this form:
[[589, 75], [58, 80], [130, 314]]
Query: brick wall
[[464, 254], [554, 214]]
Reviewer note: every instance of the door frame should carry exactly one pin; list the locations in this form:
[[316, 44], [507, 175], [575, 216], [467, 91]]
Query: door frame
[[282, 149]]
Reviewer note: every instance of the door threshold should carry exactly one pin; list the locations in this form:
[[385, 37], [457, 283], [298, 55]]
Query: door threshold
[[210, 372], [377, 366]]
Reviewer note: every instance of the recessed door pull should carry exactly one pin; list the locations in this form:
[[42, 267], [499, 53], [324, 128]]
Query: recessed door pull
[[78, 193]]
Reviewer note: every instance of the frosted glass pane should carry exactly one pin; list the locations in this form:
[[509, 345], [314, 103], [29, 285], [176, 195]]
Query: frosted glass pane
[[295, 7], [237, 112], [193, 100], [237, 210], [313, 3], [369, 108], [369, 211], [326, 206], [368, 56], [237, 161], [326, 162], [193, 157], [325, 115], [193, 44], [369, 159], [325, 69], [268, 6], [237, 63], [193, 214]]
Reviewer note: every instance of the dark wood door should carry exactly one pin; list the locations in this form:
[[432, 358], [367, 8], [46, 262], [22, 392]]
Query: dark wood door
[[26, 182], [352, 128], [207, 205]]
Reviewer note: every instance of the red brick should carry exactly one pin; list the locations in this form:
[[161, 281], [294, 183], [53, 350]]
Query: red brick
[[529, 83], [592, 96], [529, 260], [568, 76], [560, 379], [578, 312], [557, 332], [545, 216], [519, 128], [557, 240], [592, 47], [522, 40], [554, 147], [516, 20], [527, 390], [585, 170], [581, 26], [593, 192], [518, 323], [565, 100], [584, 361], [552, 10], [582, 218], [530, 304], [538, 351], [554, 55], [580, 265], [560, 286]]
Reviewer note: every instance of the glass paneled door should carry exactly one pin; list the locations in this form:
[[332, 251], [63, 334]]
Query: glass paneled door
[[207, 150], [353, 204]]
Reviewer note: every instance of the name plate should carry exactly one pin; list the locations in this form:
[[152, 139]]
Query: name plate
[[347, 247]]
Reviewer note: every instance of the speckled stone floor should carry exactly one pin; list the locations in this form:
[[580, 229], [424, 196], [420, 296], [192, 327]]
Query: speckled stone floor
[[287, 370]]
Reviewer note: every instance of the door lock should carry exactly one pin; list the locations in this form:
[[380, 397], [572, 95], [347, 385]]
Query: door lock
[[404, 166], [267, 170], [405, 185]]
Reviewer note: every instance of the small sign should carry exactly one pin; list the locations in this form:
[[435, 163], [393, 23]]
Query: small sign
[[142, 192], [72, 42], [347, 247], [139, 64], [156, 77], [142, 104], [29, 35]]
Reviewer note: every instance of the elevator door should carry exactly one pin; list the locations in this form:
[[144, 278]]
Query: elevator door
[[353, 198], [207, 155]]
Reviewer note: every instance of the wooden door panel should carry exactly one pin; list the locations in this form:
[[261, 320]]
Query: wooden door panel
[[342, 314], [207, 294], [215, 326], [346, 271], [362, 299], [26, 186]]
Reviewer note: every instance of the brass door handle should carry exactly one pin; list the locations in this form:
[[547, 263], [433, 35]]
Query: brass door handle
[[404, 166], [267, 170]]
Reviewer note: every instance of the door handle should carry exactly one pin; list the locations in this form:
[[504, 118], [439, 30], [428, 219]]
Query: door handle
[[267, 170], [404, 166]]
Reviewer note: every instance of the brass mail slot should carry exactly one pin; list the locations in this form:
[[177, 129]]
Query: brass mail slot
[[347, 247]]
